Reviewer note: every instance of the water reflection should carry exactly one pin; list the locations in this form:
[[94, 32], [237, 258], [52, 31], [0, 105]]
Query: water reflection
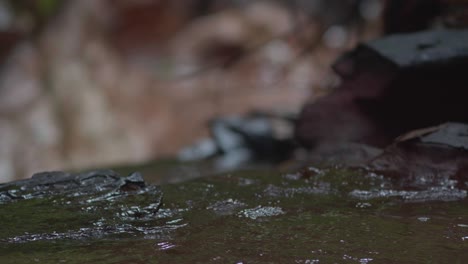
[[165, 245]]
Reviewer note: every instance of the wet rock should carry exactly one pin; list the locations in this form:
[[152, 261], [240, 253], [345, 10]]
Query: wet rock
[[410, 193], [390, 86], [424, 49], [323, 215], [47, 184], [106, 204], [239, 140], [431, 158], [450, 135], [347, 154]]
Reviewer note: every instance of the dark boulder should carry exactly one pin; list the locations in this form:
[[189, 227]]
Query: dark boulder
[[410, 15], [391, 86], [430, 157]]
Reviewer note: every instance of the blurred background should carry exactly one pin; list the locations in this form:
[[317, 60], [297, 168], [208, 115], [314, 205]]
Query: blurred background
[[102, 83]]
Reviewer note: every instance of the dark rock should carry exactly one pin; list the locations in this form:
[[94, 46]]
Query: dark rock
[[48, 184], [415, 15], [410, 15], [453, 135], [84, 205], [347, 154], [238, 140], [430, 157], [424, 49], [391, 86]]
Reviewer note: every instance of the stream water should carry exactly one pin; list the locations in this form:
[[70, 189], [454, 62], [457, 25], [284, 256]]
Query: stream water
[[332, 215]]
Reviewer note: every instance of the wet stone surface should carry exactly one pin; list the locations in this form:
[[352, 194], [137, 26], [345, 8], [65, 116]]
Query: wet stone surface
[[316, 215], [58, 205]]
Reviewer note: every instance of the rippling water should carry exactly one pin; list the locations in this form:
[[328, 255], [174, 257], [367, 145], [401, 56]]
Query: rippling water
[[329, 216]]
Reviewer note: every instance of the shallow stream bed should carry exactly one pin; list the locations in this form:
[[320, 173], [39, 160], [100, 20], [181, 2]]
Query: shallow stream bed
[[256, 216]]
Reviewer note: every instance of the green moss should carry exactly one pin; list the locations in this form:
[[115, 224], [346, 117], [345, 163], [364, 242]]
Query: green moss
[[201, 221]]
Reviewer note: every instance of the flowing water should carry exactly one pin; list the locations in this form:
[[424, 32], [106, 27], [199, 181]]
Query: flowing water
[[332, 215]]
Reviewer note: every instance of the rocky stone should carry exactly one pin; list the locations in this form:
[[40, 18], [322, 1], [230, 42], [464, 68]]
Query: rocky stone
[[390, 86], [435, 156]]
